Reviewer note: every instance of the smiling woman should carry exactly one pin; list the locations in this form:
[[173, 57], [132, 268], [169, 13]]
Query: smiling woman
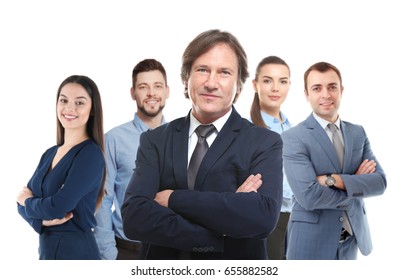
[[60, 199]]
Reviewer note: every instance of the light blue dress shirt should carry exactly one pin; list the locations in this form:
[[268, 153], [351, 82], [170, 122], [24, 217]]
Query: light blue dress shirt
[[121, 146], [274, 124]]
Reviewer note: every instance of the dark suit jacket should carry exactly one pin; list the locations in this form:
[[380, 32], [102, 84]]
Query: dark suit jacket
[[211, 221]]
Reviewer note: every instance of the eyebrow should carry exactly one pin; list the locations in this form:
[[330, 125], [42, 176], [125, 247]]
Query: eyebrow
[[155, 83], [79, 97], [271, 78]]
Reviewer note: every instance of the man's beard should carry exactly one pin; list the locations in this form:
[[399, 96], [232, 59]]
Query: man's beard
[[150, 114]]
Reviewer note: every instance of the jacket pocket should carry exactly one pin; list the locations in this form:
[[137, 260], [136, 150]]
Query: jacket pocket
[[307, 217]]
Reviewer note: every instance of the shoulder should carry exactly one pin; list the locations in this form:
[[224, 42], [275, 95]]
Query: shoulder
[[119, 128], [166, 128], [90, 149]]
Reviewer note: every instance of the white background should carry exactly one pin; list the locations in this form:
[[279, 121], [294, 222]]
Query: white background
[[43, 42]]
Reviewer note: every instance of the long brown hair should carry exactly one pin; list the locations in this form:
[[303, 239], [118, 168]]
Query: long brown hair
[[255, 109], [95, 127]]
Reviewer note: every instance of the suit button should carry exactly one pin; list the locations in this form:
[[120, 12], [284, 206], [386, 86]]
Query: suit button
[[341, 219]]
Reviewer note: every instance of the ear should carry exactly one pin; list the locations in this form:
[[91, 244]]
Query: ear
[[186, 91], [167, 92], [254, 85], [306, 94], [133, 95]]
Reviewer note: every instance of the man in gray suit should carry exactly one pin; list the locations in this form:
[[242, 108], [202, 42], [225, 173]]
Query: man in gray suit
[[328, 219]]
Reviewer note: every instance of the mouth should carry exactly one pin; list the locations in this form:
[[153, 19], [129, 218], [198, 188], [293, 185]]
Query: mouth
[[152, 101], [69, 117], [327, 103], [208, 95], [274, 97]]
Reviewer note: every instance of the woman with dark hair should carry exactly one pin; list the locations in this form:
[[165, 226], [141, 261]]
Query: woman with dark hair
[[271, 85], [62, 196]]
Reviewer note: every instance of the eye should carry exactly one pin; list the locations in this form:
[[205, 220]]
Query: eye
[[316, 89], [79, 103], [266, 81], [284, 82], [226, 72], [63, 100]]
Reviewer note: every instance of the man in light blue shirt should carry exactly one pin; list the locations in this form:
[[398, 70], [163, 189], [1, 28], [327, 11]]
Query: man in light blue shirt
[[150, 91]]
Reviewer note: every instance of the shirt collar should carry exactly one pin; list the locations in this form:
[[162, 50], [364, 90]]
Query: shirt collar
[[323, 123], [219, 123], [138, 123]]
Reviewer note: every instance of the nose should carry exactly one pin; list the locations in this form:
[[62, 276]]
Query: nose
[[212, 80], [70, 106], [325, 92], [274, 87]]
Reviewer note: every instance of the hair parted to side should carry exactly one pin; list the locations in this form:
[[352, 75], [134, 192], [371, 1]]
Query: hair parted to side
[[203, 43], [255, 110], [321, 67], [147, 65], [95, 127]]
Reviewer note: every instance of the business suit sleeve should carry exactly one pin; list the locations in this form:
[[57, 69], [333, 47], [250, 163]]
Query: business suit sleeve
[[364, 185], [304, 160], [144, 219], [239, 215]]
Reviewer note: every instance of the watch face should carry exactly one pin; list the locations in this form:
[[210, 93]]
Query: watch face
[[330, 181]]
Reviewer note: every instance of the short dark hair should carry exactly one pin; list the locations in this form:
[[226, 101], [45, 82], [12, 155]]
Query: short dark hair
[[147, 65], [321, 67], [203, 43]]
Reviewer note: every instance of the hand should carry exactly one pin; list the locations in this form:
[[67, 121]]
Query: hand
[[162, 197], [49, 223], [23, 195], [252, 184], [366, 167]]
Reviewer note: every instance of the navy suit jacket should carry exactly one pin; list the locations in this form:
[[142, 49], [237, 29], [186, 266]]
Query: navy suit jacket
[[316, 218], [212, 221]]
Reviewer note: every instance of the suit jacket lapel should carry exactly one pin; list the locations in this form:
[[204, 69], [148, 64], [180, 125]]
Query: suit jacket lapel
[[222, 142], [348, 144], [179, 151], [321, 137]]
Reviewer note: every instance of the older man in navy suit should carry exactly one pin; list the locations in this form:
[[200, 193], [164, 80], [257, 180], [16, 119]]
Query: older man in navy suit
[[328, 219], [229, 208]]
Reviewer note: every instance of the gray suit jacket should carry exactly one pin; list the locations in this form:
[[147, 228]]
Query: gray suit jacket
[[316, 219]]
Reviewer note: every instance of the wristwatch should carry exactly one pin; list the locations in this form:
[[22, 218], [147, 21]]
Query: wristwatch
[[330, 181]]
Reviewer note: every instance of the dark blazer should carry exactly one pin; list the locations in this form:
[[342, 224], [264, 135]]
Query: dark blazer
[[212, 221]]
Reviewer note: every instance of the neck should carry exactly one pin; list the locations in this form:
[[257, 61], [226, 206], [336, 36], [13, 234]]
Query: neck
[[274, 112], [151, 122], [72, 138]]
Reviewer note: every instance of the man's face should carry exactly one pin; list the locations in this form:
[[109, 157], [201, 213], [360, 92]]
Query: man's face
[[150, 92], [212, 84], [324, 92]]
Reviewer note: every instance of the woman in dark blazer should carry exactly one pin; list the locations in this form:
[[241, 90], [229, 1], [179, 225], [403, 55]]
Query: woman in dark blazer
[[61, 197]]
